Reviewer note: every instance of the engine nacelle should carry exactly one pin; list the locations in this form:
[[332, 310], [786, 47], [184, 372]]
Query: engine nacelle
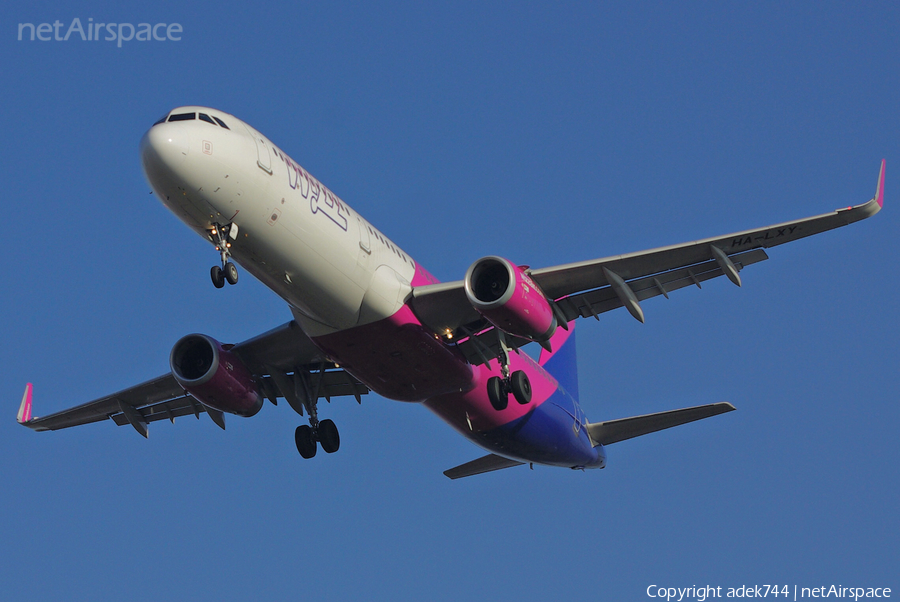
[[214, 375], [505, 295]]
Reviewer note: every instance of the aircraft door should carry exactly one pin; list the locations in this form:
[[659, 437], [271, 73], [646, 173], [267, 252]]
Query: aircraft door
[[264, 157], [365, 245]]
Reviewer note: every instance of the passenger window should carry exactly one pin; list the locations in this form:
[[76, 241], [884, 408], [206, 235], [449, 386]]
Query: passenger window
[[220, 122], [205, 117], [182, 117]]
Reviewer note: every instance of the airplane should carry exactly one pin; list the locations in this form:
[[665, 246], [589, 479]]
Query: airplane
[[366, 317]]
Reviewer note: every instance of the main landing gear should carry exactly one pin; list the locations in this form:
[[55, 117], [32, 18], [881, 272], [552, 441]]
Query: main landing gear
[[499, 387], [220, 236], [323, 432]]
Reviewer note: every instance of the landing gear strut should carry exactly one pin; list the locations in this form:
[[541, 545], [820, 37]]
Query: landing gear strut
[[220, 236], [499, 387]]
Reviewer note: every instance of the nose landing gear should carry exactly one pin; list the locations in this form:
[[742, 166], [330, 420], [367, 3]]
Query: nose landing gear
[[220, 236], [227, 274]]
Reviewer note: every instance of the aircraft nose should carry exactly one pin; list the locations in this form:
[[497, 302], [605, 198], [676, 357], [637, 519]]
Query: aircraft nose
[[164, 147]]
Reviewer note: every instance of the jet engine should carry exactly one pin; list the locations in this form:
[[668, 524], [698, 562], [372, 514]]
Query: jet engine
[[505, 295], [214, 375]]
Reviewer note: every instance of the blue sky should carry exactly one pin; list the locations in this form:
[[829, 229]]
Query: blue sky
[[543, 132]]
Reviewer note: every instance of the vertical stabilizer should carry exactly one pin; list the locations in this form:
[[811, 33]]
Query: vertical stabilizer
[[562, 361]]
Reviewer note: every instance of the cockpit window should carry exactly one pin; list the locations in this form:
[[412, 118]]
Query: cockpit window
[[182, 117], [161, 119], [220, 122], [205, 117]]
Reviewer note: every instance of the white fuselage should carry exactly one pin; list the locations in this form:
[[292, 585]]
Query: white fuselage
[[334, 269]]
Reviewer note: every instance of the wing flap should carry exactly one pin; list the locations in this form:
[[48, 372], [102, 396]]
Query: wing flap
[[488, 463], [613, 431], [167, 410], [563, 280], [597, 301], [159, 389], [330, 383], [483, 346]]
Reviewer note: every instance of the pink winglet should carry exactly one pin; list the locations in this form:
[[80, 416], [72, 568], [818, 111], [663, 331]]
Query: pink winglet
[[879, 193], [24, 415]]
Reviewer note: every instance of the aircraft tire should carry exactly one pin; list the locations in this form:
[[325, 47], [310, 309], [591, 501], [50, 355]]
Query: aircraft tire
[[329, 436], [521, 387], [218, 278], [231, 273], [497, 393], [306, 445]]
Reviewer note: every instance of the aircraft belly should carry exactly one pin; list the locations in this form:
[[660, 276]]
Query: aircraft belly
[[547, 435], [545, 430], [398, 358]]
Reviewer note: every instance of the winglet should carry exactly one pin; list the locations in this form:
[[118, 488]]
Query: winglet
[[879, 192], [870, 208], [24, 415]]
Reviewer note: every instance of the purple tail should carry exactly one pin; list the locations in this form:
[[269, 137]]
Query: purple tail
[[562, 361]]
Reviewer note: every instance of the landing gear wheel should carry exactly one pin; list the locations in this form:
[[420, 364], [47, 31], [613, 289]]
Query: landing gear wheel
[[521, 387], [306, 445], [329, 437], [497, 393], [231, 273], [218, 278]]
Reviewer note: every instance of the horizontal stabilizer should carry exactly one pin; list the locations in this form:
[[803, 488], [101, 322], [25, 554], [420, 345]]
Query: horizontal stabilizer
[[486, 463], [613, 431]]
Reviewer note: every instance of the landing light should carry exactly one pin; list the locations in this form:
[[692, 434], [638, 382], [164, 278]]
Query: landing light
[[448, 333]]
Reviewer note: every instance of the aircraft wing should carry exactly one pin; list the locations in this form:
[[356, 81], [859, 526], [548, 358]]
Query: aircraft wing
[[278, 359], [589, 288]]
